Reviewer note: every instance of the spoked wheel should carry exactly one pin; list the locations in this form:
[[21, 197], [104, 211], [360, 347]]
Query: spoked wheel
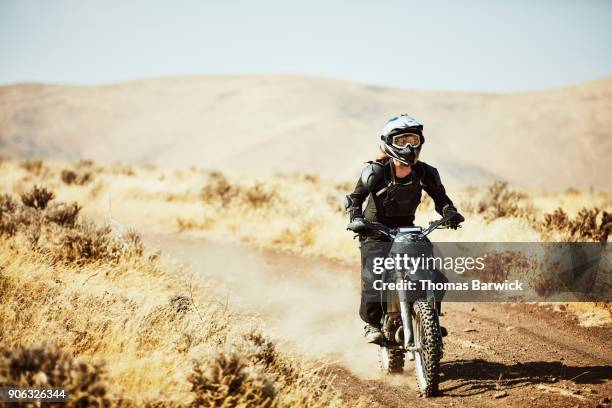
[[391, 359], [428, 344]]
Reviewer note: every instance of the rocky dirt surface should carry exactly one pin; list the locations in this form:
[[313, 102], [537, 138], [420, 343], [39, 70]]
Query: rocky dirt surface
[[497, 354]]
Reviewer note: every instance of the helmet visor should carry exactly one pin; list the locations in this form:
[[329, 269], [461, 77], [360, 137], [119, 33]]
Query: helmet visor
[[406, 139]]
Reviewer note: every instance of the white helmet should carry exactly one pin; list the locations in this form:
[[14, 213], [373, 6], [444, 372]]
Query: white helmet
[[402, 138]]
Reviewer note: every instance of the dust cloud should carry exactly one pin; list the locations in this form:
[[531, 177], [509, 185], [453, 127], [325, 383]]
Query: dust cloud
[[309, 306]]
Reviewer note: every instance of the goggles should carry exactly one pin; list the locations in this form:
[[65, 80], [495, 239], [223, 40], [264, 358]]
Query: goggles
[[406, 139]]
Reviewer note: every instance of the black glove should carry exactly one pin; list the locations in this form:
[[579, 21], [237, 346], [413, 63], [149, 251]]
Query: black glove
[[455, 220], [357, 224]]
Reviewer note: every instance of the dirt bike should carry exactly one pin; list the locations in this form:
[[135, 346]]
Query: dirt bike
[[410, 322]]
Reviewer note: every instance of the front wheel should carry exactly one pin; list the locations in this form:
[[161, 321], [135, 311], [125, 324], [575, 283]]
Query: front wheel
[[391, 359], [428, 344]]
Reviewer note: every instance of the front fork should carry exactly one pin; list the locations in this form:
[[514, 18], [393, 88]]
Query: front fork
[[406, 315], [399, 308]]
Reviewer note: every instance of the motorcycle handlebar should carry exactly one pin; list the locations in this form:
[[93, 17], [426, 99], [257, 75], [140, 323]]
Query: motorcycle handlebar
[[362, 225], [438, 223]]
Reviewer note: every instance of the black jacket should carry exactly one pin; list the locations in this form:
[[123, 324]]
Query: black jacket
[[393, 201]]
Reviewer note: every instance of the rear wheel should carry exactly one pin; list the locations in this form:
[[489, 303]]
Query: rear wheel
[[391, 359], [429, 344]]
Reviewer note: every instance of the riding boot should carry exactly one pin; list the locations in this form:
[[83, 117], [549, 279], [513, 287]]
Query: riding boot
[[373, 334]]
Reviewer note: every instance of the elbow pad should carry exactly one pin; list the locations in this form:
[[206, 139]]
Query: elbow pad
[[372, 174], [431, 177]]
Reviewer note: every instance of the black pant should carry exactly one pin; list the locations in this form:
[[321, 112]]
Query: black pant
[[372, 301]]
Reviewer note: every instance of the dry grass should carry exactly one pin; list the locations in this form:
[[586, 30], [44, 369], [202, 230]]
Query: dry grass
[[127, 330], [100, 294], [301, 214]]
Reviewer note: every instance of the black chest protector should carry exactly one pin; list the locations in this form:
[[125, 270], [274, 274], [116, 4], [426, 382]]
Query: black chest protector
[[400, 198], [392, 198]]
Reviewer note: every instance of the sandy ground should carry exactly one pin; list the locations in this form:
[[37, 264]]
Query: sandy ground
[[496, 354]]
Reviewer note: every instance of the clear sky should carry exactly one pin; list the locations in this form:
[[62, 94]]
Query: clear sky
[[459, 45]]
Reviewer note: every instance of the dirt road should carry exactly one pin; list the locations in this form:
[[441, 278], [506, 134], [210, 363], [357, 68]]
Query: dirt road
[[495, 354]]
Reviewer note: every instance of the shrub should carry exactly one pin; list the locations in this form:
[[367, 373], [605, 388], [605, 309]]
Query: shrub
[[87, 243], [501, 202], [557, 220], [8, 227], [68, 176], [547, 285], [27, 220], [63, 214], [37, 197], [311, 178], [47, 366], [225, 381], [498, 266], [7, 204], [181, 304], [257, 196], [572, 191], [584, 227], [262, 350], [66, 240], [72, 177], [34, 166], [133, 244], [86, 163], [218, 189], [30, 222]]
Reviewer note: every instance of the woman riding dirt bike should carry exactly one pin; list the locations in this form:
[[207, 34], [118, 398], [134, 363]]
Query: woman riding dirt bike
[[393, 186]]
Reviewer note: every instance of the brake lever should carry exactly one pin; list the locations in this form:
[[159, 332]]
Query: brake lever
[[449, 227]]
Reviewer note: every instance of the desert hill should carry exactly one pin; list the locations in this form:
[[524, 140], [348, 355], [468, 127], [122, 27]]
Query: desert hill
[[552, 139]]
